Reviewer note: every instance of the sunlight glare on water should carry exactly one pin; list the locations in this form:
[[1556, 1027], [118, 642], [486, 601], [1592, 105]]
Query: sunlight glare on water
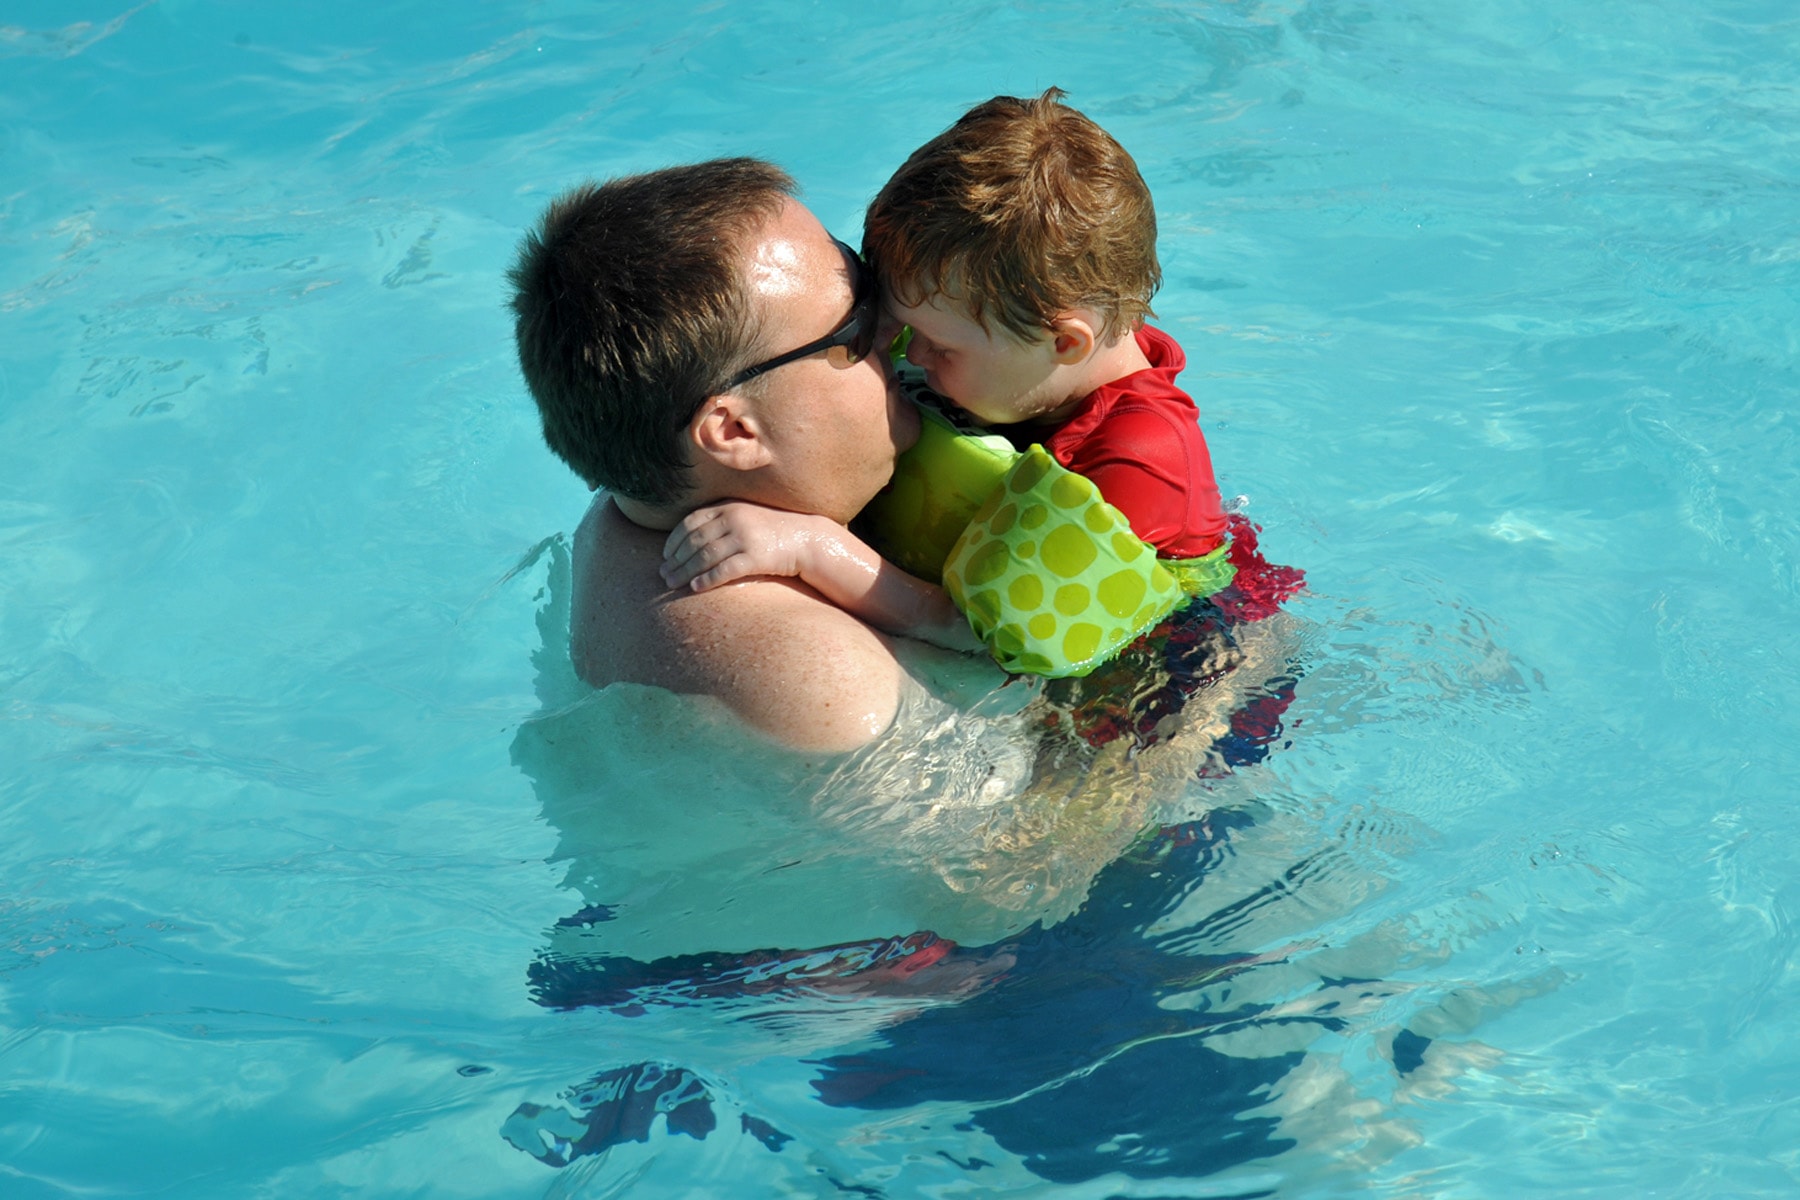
[[322, 878]]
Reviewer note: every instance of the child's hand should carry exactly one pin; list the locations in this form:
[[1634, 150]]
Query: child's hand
[[723, 542]]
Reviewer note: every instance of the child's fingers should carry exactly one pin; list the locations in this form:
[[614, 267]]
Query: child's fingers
[[680, 554], [702, 557], [677, 575], [703, 545], [692, 531], [734, 568]]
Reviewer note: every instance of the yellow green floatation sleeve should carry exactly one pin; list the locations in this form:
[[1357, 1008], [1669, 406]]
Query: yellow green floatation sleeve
[[1050, 576], [1200, 577], [937, 488]]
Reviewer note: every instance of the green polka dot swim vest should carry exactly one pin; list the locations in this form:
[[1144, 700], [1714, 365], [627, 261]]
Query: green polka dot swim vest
[[1049, 574]]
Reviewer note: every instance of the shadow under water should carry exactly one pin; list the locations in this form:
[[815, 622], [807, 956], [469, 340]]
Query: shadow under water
[[1058, 1038], [1017, 891]]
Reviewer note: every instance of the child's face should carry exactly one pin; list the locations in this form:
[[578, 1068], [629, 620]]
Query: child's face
[[992, 375]]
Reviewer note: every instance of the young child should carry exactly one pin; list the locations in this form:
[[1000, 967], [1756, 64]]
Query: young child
[[1020, 248]]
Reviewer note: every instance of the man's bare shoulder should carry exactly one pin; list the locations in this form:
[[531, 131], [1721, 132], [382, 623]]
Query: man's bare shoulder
[[793, 666]]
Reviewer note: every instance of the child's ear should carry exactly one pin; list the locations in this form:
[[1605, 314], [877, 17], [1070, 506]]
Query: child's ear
[[728, 432], [1073, 337]]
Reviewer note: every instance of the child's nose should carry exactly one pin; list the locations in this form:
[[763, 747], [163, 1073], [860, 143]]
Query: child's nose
[[917, 350]]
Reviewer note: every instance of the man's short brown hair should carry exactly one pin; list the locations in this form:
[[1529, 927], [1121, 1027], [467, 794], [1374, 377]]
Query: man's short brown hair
[[632, 309], [1019, 212]]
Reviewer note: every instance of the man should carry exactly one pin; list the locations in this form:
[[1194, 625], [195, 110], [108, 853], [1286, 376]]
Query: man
[[694, 335]]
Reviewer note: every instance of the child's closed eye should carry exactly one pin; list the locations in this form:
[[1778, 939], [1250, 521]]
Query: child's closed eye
[[920, 348]]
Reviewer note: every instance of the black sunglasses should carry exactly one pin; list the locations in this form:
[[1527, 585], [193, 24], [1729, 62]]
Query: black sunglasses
[[854, 338]]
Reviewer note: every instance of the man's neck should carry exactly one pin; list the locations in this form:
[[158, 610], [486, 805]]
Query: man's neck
[[648, 516]]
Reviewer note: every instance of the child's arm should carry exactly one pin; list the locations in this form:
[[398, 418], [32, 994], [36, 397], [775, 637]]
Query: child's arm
[[723, 542]]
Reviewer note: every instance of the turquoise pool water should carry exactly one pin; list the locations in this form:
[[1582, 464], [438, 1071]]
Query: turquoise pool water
[[313, 885]]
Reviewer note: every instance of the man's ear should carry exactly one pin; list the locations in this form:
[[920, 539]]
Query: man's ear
[[1074, 335], [728, 432]]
